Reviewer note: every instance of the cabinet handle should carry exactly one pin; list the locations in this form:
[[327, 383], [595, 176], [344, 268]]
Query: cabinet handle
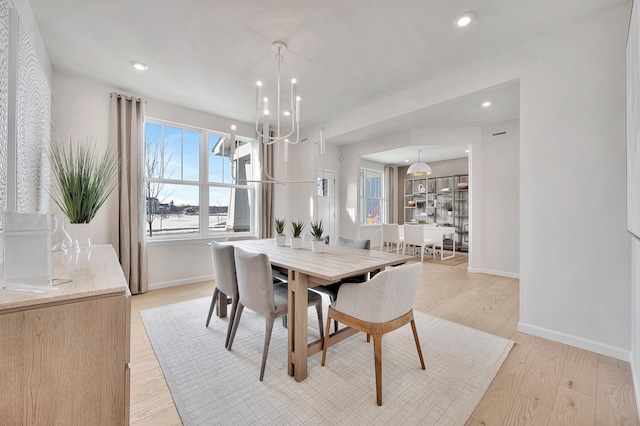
[[127, 366]]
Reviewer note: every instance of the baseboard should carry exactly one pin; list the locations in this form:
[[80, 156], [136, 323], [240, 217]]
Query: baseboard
[[578, 342], [174, 283], [493, 272]]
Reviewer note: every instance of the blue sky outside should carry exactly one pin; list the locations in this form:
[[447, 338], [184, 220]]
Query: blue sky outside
[[181, 152]]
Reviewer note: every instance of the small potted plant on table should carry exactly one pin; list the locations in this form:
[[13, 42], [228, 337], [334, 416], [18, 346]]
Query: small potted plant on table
[[317, 244], [280, 237], [296, 229]]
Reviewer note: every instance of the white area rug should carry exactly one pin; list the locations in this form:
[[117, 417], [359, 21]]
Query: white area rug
[[211, 385]]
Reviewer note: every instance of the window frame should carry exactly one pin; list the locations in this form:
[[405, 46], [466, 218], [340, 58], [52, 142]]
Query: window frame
[[203, 184], [362, 197]]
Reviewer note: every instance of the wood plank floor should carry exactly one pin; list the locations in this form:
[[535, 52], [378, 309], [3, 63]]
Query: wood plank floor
[[540, 383]]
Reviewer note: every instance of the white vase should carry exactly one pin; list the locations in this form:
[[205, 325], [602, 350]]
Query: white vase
[[80, 236], [317, 246], [281, 240], [296, 243]]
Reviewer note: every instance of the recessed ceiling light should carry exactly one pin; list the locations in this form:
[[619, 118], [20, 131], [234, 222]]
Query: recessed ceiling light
[[486, 104], [139, 65], [466, 150], [286, 113], [406, 161], [464, 19]]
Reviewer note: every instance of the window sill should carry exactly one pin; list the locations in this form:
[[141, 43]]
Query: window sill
[[158, 242]]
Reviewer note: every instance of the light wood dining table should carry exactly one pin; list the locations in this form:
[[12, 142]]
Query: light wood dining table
[[307, 269]]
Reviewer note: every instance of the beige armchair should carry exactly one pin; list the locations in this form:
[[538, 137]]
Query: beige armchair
[[378, 306]]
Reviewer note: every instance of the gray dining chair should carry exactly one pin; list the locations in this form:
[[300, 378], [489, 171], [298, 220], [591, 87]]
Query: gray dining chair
[[331, 290], [257, 292], [382, 304], [279, 276], [224, 272]]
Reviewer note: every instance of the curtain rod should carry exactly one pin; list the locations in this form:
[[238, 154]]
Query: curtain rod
[[129, 98]]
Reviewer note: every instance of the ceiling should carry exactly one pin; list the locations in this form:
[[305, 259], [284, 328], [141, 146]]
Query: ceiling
[[207, 55]]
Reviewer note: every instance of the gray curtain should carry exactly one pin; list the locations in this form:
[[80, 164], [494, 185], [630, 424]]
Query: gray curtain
[[126, 134], [266, 191]]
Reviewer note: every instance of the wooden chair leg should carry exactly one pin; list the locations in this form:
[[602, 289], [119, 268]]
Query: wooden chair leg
[[377, 353], [267, 339], [415, 337], [213, 305]]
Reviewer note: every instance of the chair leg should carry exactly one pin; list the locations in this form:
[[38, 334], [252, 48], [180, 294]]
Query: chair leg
[[319, 312], [335, 323], [267, 339], [377, 353], [325, 344], [415, 337], [213, 305], [422, 253], [232, 317], [236, 321]]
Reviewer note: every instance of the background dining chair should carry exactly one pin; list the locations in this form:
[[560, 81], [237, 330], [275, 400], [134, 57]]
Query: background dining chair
[[414, 235], [331, 290], [279, 276], [438, 241], [307, 238], [382, 304], [257, 292], [390, 236], [224, 272]]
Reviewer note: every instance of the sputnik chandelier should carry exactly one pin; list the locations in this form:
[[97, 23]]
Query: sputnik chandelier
[[278, 137]]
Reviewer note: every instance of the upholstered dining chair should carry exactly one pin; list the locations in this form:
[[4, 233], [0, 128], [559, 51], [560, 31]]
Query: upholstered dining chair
[[279, 276], [257, 292], [382, 304], [391, 235], [224, 272], [331, 290], [414, 235]]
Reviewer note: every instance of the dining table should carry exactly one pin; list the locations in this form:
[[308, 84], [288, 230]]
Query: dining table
[[307, 269]]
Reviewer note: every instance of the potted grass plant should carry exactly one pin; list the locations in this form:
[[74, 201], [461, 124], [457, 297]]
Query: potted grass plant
[[296, 229], [280, 237], [317, 244], [83, 179]]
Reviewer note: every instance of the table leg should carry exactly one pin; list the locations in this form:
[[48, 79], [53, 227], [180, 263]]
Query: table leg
[[298, 349]]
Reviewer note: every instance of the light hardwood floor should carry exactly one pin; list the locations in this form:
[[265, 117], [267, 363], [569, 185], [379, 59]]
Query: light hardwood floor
[[540, 383]]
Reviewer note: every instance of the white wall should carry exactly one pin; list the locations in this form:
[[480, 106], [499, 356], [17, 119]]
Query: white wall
[[572, 174], [500, 198]]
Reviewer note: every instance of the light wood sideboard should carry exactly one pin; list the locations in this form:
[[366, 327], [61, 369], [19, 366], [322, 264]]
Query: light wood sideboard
[[64, 355]]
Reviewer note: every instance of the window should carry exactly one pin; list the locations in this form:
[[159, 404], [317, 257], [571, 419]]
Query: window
[[187, 168], [370, 196]]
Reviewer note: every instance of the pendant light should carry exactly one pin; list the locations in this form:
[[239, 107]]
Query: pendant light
[[419, 168]]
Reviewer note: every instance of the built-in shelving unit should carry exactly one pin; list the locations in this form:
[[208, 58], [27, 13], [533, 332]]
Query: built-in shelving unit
[[443, 200]]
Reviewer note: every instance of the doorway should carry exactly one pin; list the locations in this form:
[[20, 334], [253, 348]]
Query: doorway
[[327, 202]]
